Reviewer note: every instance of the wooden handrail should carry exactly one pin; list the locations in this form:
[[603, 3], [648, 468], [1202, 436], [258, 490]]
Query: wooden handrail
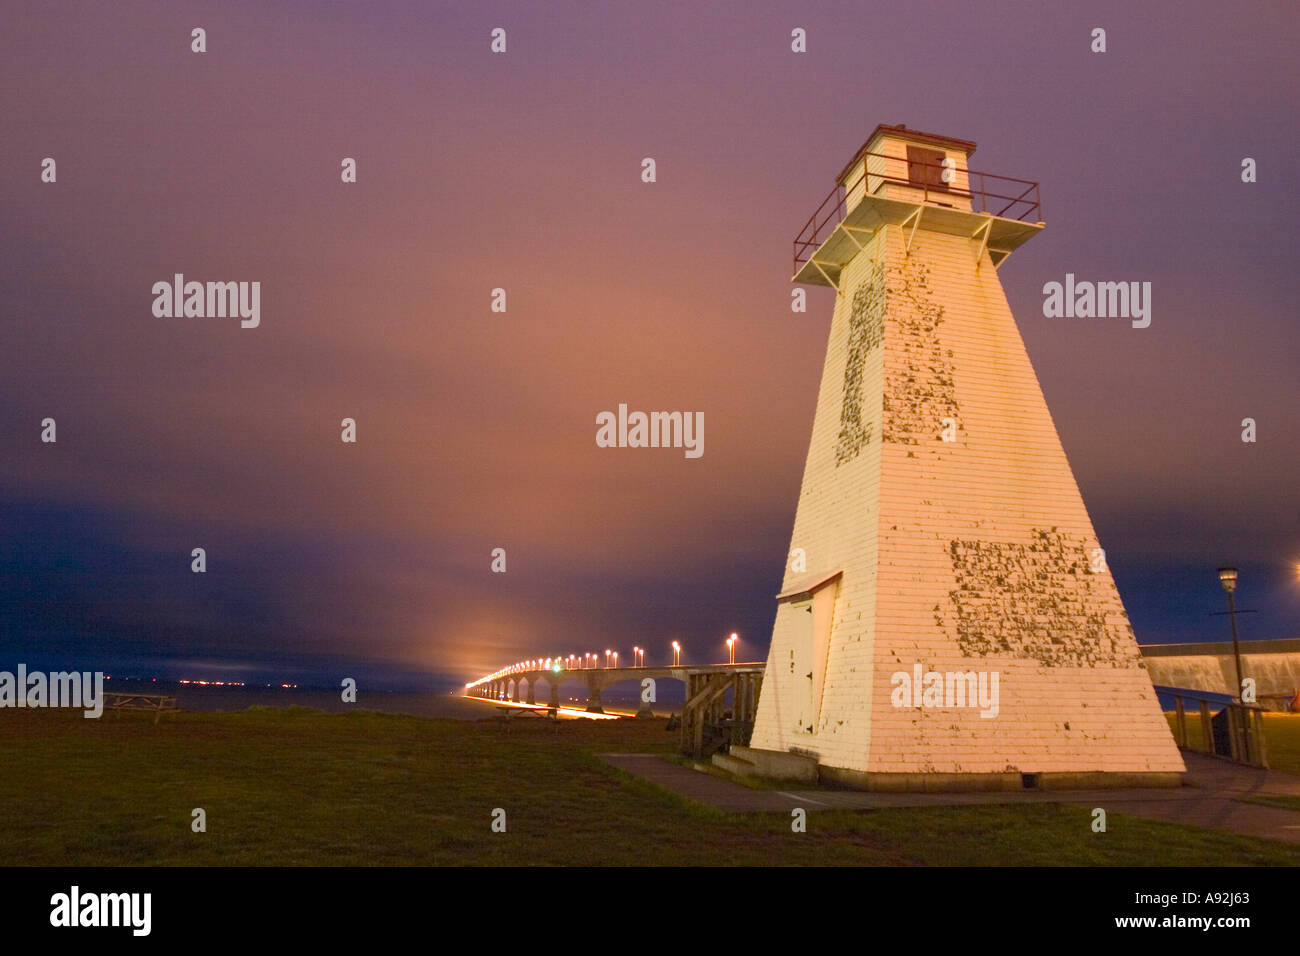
[[1245, 731]]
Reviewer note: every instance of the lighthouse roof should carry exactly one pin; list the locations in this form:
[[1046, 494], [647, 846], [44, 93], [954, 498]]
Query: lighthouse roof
[[913, 135]]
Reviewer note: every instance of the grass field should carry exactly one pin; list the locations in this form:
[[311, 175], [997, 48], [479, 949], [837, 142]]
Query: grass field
[[295, 786]]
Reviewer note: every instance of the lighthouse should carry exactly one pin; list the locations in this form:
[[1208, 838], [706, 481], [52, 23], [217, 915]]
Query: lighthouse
[[947, 617]]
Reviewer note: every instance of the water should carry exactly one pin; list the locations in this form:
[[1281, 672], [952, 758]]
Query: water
[[418, 704], [197, 697]]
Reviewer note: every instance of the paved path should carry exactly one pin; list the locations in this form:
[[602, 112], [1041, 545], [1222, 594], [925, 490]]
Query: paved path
[[699, 786], [1211, 795]]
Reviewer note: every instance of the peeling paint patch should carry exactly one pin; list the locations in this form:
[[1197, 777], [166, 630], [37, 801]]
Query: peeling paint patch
[[1036, 600], [866, 329], [919, 390]]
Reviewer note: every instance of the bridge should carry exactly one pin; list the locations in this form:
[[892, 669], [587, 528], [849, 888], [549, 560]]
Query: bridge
[[707, 688]]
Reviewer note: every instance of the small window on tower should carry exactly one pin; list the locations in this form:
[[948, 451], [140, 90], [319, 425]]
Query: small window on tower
[[925, 167]]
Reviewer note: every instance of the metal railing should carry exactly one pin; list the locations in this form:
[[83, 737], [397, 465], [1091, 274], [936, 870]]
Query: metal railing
[[1016, 199], [1236, 732]]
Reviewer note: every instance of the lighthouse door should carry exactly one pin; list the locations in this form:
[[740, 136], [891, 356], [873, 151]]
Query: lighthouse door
[[801, 666]]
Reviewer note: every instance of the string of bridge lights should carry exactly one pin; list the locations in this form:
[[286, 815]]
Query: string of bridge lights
[[591, 661]]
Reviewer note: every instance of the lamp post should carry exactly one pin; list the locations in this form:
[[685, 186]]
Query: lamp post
[[677, 654], [1228, 578], [731, 648]]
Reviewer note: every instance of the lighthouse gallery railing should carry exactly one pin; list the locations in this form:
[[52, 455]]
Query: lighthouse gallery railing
[[1003, 196]]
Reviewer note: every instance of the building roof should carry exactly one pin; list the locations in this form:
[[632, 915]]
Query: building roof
[[1284, 645], [904, 133], [807, 583]]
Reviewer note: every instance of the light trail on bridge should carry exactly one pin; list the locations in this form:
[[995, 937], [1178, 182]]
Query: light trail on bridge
[[560, 711]]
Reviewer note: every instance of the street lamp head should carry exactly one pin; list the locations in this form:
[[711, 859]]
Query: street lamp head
[[1228, 578]]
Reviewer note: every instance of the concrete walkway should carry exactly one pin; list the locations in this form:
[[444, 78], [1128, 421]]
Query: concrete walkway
[[1211, 796], [698, 786]]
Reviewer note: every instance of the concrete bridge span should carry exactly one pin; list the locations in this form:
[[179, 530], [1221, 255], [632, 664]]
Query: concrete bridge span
[[521, 686]]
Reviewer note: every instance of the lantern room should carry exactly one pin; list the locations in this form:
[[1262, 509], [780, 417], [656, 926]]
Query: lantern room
[[918, 181], [899, 163]]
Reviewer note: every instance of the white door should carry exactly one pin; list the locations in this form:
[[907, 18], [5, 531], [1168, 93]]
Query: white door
[[801, 666]]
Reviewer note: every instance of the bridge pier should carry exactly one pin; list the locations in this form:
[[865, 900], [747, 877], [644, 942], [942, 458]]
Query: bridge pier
[[555, 693], [645, 710], [532, 690], [593, 698]]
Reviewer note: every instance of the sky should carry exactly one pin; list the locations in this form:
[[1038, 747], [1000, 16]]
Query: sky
[[522, 171]]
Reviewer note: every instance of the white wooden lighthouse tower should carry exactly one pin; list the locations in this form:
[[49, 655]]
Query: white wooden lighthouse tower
[[947, 618]]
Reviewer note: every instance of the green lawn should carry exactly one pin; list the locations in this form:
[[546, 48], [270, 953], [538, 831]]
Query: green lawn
[[1282, 738], [297, 786]]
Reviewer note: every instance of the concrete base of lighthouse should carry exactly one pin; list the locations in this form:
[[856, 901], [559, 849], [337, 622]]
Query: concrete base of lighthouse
[[778, 765], [994, 782]]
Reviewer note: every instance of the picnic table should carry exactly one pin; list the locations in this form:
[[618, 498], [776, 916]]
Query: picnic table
[[158, 704], [545, 713]]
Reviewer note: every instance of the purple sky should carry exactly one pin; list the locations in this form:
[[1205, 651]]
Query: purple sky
[[476, 430]]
